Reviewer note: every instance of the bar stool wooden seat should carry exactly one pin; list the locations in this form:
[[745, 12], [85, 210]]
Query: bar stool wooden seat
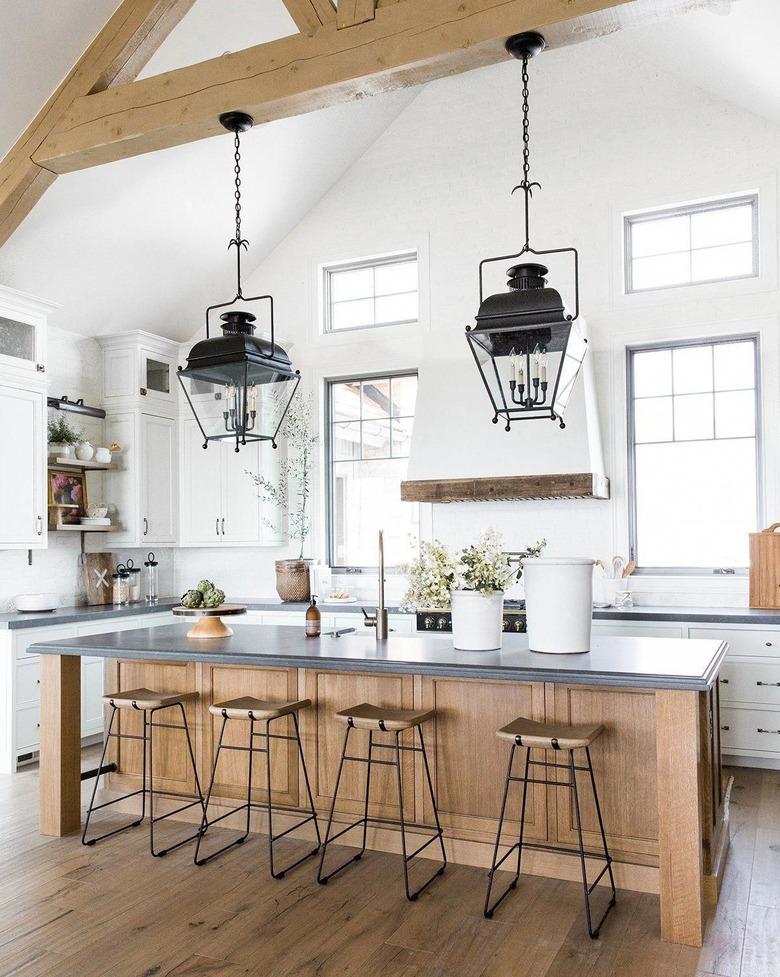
[[531, 735], [149, 703], [374, 718], [251, 710]]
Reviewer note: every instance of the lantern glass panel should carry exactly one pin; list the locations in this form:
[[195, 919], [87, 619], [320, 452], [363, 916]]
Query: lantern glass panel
[[570, 366]]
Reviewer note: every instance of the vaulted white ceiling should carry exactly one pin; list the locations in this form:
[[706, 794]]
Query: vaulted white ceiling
[[141, 243]]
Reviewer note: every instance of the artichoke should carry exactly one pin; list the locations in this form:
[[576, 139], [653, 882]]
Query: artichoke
[[213, 597], [205, 586], [193, 598]]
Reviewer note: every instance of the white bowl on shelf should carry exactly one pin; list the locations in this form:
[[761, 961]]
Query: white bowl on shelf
[[37, 602]]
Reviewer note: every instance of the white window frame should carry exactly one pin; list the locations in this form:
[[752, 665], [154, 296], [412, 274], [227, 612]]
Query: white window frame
[[630, 351], [392, 258], [329, 383], [681, 210]]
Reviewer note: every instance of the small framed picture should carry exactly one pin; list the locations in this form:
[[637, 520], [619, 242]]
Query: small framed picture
[[68, 493]]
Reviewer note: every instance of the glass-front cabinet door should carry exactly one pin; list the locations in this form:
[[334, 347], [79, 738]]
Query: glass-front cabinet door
[[20, 344], [157, 376]]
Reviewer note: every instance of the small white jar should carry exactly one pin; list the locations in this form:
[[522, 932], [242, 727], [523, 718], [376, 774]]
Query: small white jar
[[85, 451]]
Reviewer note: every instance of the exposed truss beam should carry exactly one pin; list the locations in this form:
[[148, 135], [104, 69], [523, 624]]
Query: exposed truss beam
[[351, 12], [406, 43], [310, 15], [117, 54]]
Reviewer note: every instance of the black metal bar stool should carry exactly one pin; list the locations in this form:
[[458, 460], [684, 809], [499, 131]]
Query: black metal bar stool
[[542, 736], [149, 703], [373, 718], [252, 710]]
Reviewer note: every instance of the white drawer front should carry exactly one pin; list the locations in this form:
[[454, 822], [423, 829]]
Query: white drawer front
[[748, 682], [749, 729], [28, 682], [285, 618], [28, 729], [636, 629], [753, 643]]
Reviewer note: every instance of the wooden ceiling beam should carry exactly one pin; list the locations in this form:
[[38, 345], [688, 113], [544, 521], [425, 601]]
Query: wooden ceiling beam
[[406, 43], [115, 56], [351, 12], [310, 15]]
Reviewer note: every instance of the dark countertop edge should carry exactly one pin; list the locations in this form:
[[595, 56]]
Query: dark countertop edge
[[505, 673]]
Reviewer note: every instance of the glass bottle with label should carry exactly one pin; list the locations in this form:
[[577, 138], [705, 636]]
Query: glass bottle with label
[[313, 620], [152, 593]]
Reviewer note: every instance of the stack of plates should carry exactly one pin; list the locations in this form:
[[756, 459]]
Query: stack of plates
[[94, 521]]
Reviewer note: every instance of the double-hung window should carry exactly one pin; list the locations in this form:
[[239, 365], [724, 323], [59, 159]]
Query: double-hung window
[[691, 244], [372, 292], [369, 432], [693, 454]]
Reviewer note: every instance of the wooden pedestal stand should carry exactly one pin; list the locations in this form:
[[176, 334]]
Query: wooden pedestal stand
[[210, 623]]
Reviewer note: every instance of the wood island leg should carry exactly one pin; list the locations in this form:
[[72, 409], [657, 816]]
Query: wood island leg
[[60, 763], [679, 817]]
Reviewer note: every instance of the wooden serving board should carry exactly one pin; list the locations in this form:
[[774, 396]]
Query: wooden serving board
[[96, 569], [765, 567]]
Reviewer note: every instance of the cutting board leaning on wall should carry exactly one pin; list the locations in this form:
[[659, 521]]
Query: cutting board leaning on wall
[[96, 569]]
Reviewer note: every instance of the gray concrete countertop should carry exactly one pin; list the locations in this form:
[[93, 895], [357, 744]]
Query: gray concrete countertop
[[695, 615], [654, 663]]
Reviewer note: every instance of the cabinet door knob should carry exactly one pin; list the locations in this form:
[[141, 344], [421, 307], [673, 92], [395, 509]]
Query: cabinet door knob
[[143, 391], [725, 728], [40, 367], [725, 681], [768, 644]]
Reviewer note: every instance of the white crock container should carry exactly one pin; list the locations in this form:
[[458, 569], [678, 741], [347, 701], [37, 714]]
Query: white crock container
[[477, 620], [559, 604]]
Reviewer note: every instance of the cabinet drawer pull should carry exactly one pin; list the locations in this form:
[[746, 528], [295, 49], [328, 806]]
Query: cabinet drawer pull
[[724, 681], [725, 728], [774, 684], [40, 525], [772, 732], [223, 526], [146, 526], [216, 525]]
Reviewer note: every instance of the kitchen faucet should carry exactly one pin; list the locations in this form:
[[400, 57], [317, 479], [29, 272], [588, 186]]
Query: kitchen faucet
[[378, 620]]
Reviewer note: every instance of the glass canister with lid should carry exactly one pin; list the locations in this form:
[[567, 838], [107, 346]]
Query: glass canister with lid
[[121, 585], [134, 582], [152, 592]]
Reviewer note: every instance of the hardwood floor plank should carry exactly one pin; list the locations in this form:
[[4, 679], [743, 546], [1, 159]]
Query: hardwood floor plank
[[391, 960], [761, 955], [765, 879]]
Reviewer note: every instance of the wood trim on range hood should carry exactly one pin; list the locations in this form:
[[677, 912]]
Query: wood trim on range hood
[[579, 485]]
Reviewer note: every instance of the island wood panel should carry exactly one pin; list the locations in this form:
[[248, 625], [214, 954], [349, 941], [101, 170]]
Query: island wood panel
[[324, 736], [218, 683], [468, 762], [172, 767], [624, 764]]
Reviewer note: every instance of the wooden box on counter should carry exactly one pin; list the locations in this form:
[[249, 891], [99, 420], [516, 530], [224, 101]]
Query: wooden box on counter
[[765, 567]]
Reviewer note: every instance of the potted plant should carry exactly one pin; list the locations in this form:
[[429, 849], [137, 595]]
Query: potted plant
[[62, 437], [473, 584], [290, 494]]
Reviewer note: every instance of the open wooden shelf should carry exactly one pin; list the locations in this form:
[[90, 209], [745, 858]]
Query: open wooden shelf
[[87, 466]]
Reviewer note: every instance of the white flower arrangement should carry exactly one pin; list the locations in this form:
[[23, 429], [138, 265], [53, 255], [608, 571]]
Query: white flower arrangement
[[482, 567]]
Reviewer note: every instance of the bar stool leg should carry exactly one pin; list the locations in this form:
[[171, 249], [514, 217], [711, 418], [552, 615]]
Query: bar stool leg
[[323, 879], [204, 823], [607, 857], [150, 724], [587, 889], [412, 896], [312, 817], [439, 831], [496, 862]]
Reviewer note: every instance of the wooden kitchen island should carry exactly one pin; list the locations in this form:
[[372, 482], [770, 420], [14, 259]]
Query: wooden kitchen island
[[657, 764]]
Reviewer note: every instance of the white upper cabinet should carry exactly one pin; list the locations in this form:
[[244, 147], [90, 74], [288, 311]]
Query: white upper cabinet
[[23, 513], [159, 504], [139, 370], [22, 333], [141, 487], [219, 500]]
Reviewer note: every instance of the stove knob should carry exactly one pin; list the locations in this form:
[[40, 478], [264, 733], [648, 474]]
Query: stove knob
[[505, 624], [428, 623], [442, 623], [519, 624]]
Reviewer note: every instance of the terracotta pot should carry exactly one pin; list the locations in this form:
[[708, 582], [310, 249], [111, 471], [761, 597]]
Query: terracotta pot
[[292, 580]]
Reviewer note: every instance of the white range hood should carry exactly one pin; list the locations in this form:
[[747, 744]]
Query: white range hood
[[457, 453]]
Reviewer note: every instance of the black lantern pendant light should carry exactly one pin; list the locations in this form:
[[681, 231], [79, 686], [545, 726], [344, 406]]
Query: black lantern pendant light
[[526, 344], [252, 377]]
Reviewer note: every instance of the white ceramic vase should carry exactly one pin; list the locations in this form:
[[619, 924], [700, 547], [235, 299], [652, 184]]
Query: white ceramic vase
[[558, 604], [85, 451], [57, 450], [476, 620], [103, 455]]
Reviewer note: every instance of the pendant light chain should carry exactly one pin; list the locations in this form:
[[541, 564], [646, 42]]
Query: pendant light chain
[[238, 241], [526, 185]]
